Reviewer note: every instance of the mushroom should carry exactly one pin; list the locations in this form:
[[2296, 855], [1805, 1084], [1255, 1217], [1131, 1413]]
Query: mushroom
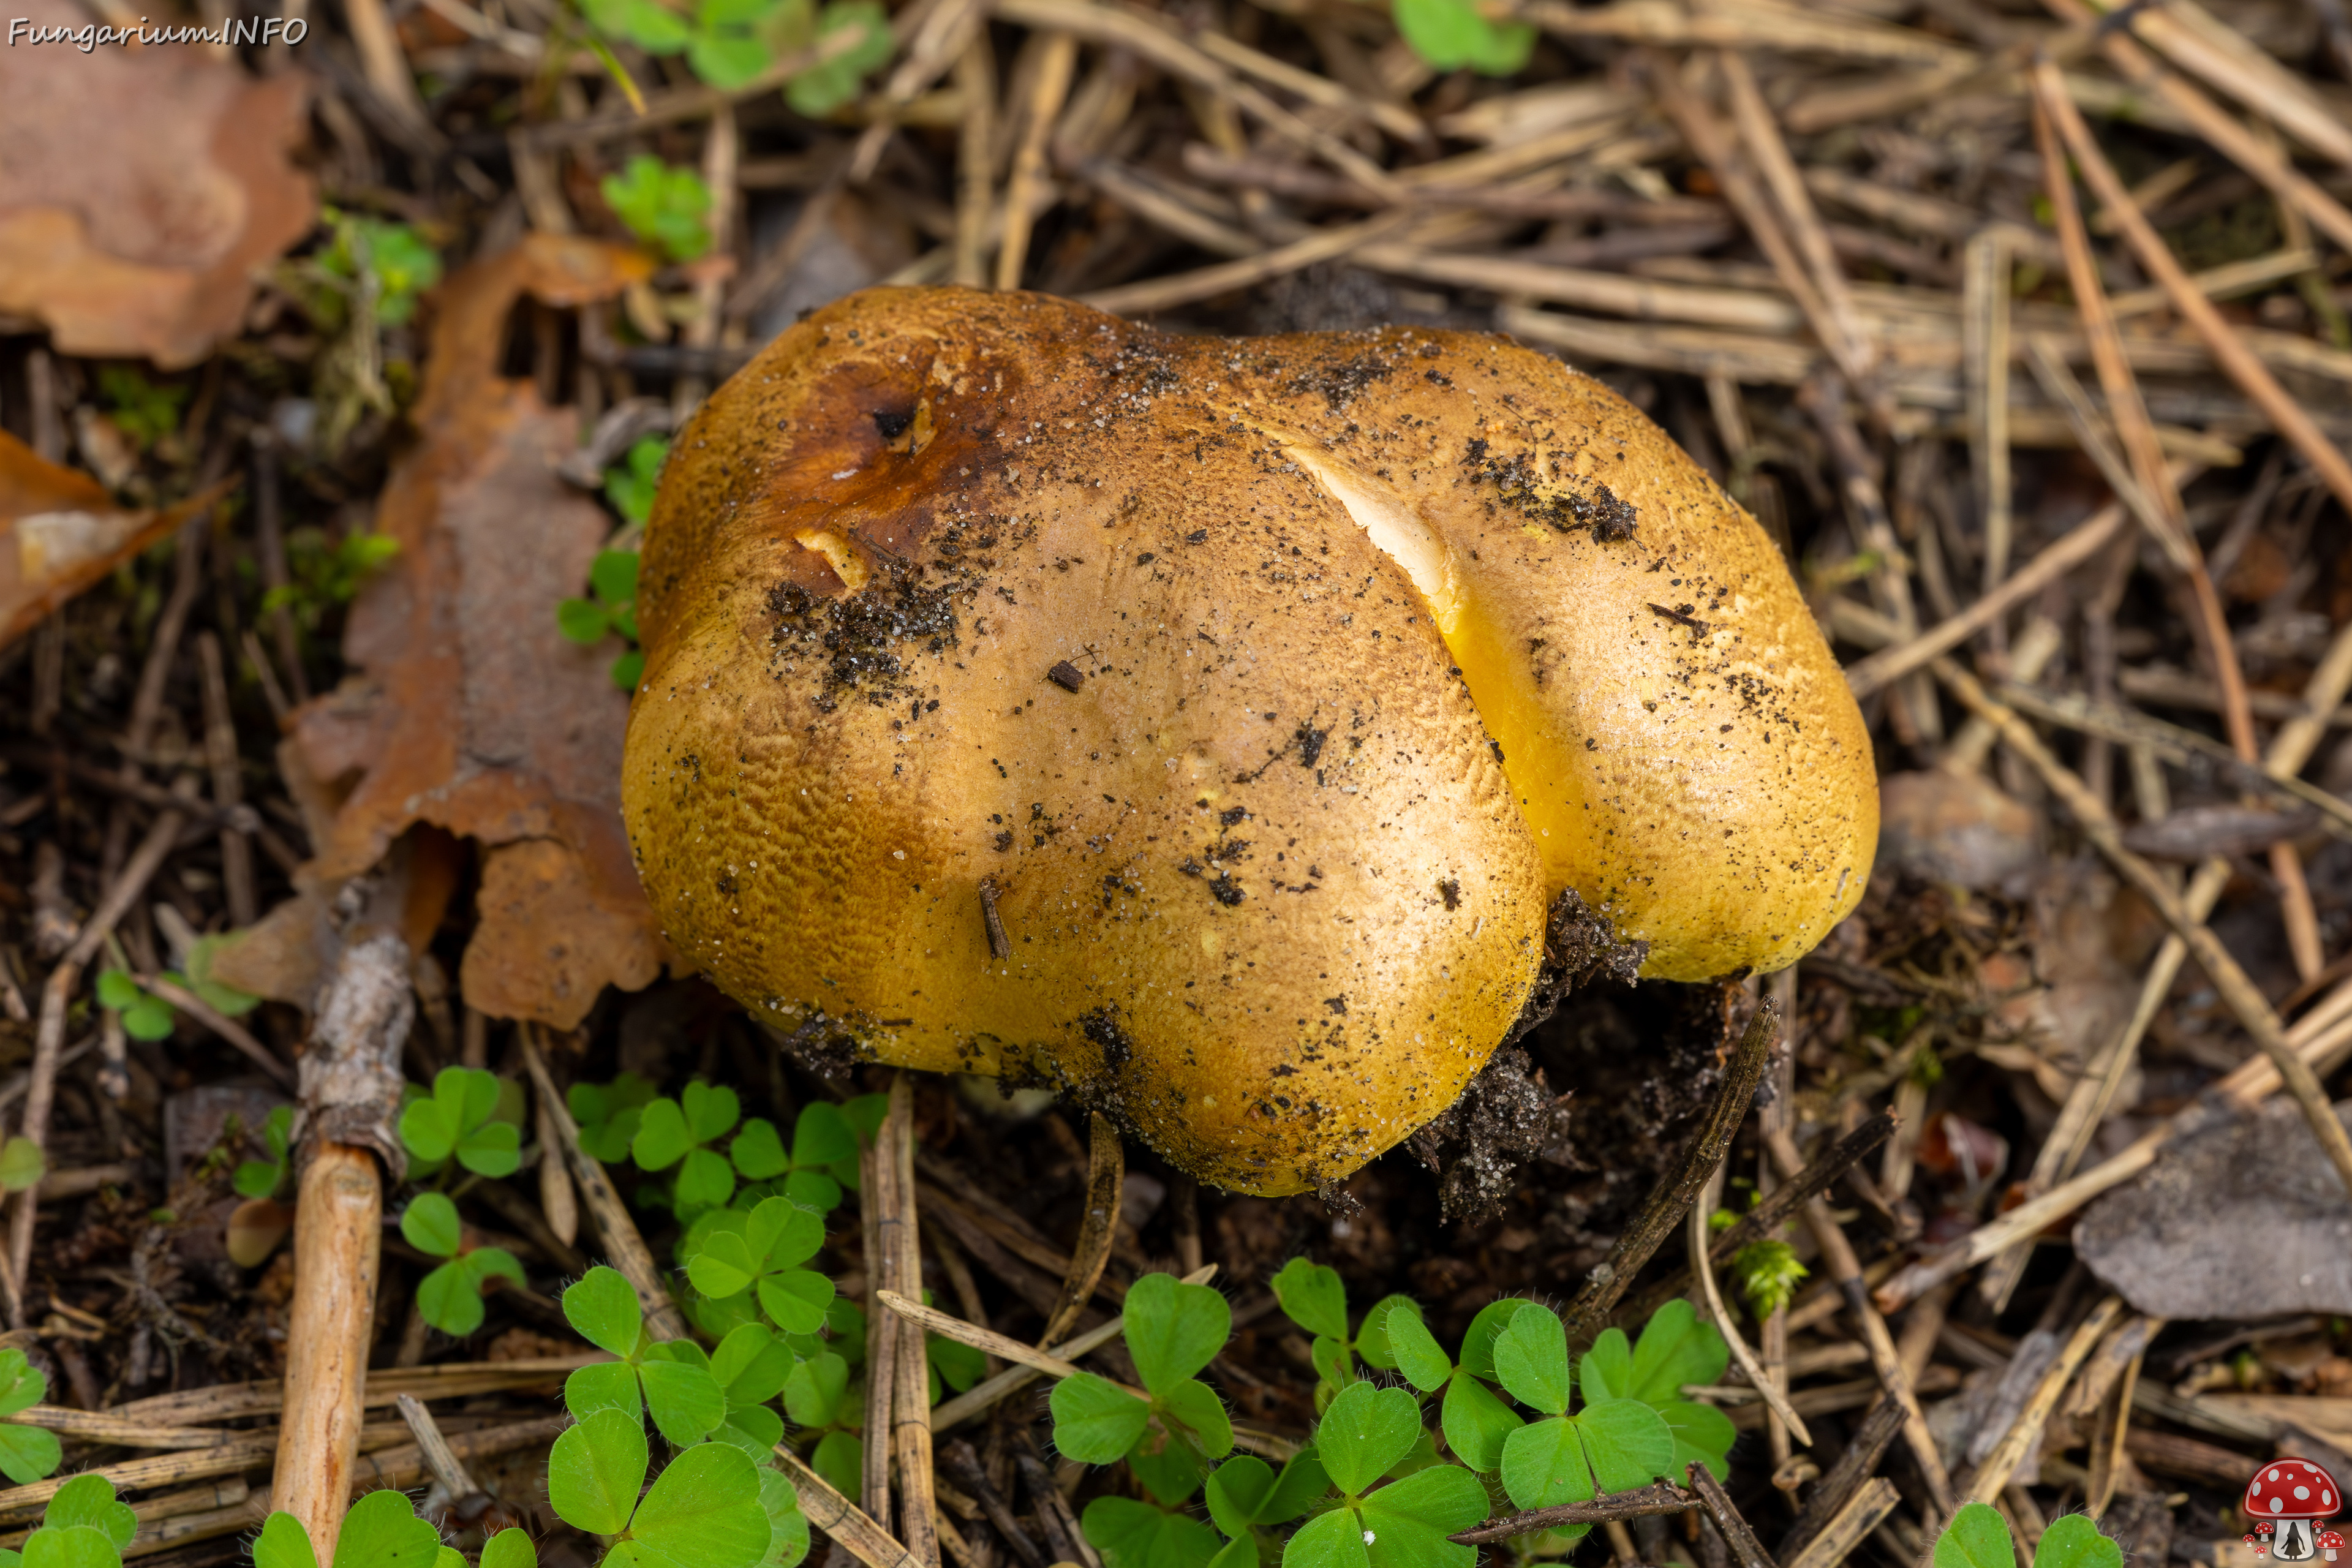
[[2331, 1542], [1212, 728], [2260, 1543], [2291, 1494]]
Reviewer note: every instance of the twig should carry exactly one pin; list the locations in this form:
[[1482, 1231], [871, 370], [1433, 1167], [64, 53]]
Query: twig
[[1182, 288], [1055, 63], [450, 1379], [851, 1527], [50, 1034], [1704, 1267], [1726, 1517], [558, 1201], [2081, 543], [1677, 1188], [948, 1326], [965, 1465], [1845, 1269], [1106, 1176], [106, 1427], [1642, 1502], [447, 1468], [911, 1399], [228, 1028], [622, 1241], [877, 1207], [351, 1092], [228, 787], [1760, 138], [1846, 1479], [1052, 1509], [1864, 1512], [975, 74], [1984, 334]]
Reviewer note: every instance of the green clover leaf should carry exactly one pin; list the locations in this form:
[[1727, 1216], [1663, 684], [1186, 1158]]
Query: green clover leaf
[[667, 1380], [460, 1119], [1365, 1431], [262, 1178], [1173, 1330], [1131, 1534], [1531, 1359], [1095, 1421]]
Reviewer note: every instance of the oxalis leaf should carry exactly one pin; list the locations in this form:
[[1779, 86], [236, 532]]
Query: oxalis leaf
[[382, 1531], [1364, 1432], [1531, 1359], [2071, 1542], [1095, 1421], [704, 1511], [1131, 1534], [1978, 1537], [1173, 1330], [593, 1472]]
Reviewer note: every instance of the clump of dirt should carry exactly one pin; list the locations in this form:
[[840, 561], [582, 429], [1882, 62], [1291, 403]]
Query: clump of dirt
[[1507, 1117]]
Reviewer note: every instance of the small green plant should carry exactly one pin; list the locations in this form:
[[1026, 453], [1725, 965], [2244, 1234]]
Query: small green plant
[[607, 1114], [704, 1511], [760, 1252], [1313, 1296], [460, 1118], [662, 204], [82, 1527], [1768, 1274], [1979, 1537], [611, 610], [264, 1178], [1365, 1434], [668, 1379], [27, 1454], [142, 410], [144, 1016], [730, 43], [822, 1157], [324, 575], [391, 258], [450, 1297], [821, 1400], [675, 1133], [630, 484], [22, 1164], [1452, 34], [1173, 1330]]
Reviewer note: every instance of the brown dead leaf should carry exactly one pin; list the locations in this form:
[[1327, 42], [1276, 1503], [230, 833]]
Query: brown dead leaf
[[473, 713], [143, 191], [60, 530]]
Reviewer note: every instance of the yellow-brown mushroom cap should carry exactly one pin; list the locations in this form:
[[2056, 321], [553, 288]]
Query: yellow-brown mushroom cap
[[1265, 693]]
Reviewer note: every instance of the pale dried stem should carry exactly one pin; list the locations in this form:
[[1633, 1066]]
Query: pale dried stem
[[1844, 1268], [1700, 1214], [1027, 181], [623, 1243]]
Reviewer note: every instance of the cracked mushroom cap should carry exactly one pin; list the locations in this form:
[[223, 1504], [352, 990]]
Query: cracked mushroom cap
[[2292, 1489], [1206, 725]]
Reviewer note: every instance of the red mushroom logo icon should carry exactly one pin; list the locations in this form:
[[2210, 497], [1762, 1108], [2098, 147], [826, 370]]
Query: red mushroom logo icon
[[2292, 1495], [2330, 1543]]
